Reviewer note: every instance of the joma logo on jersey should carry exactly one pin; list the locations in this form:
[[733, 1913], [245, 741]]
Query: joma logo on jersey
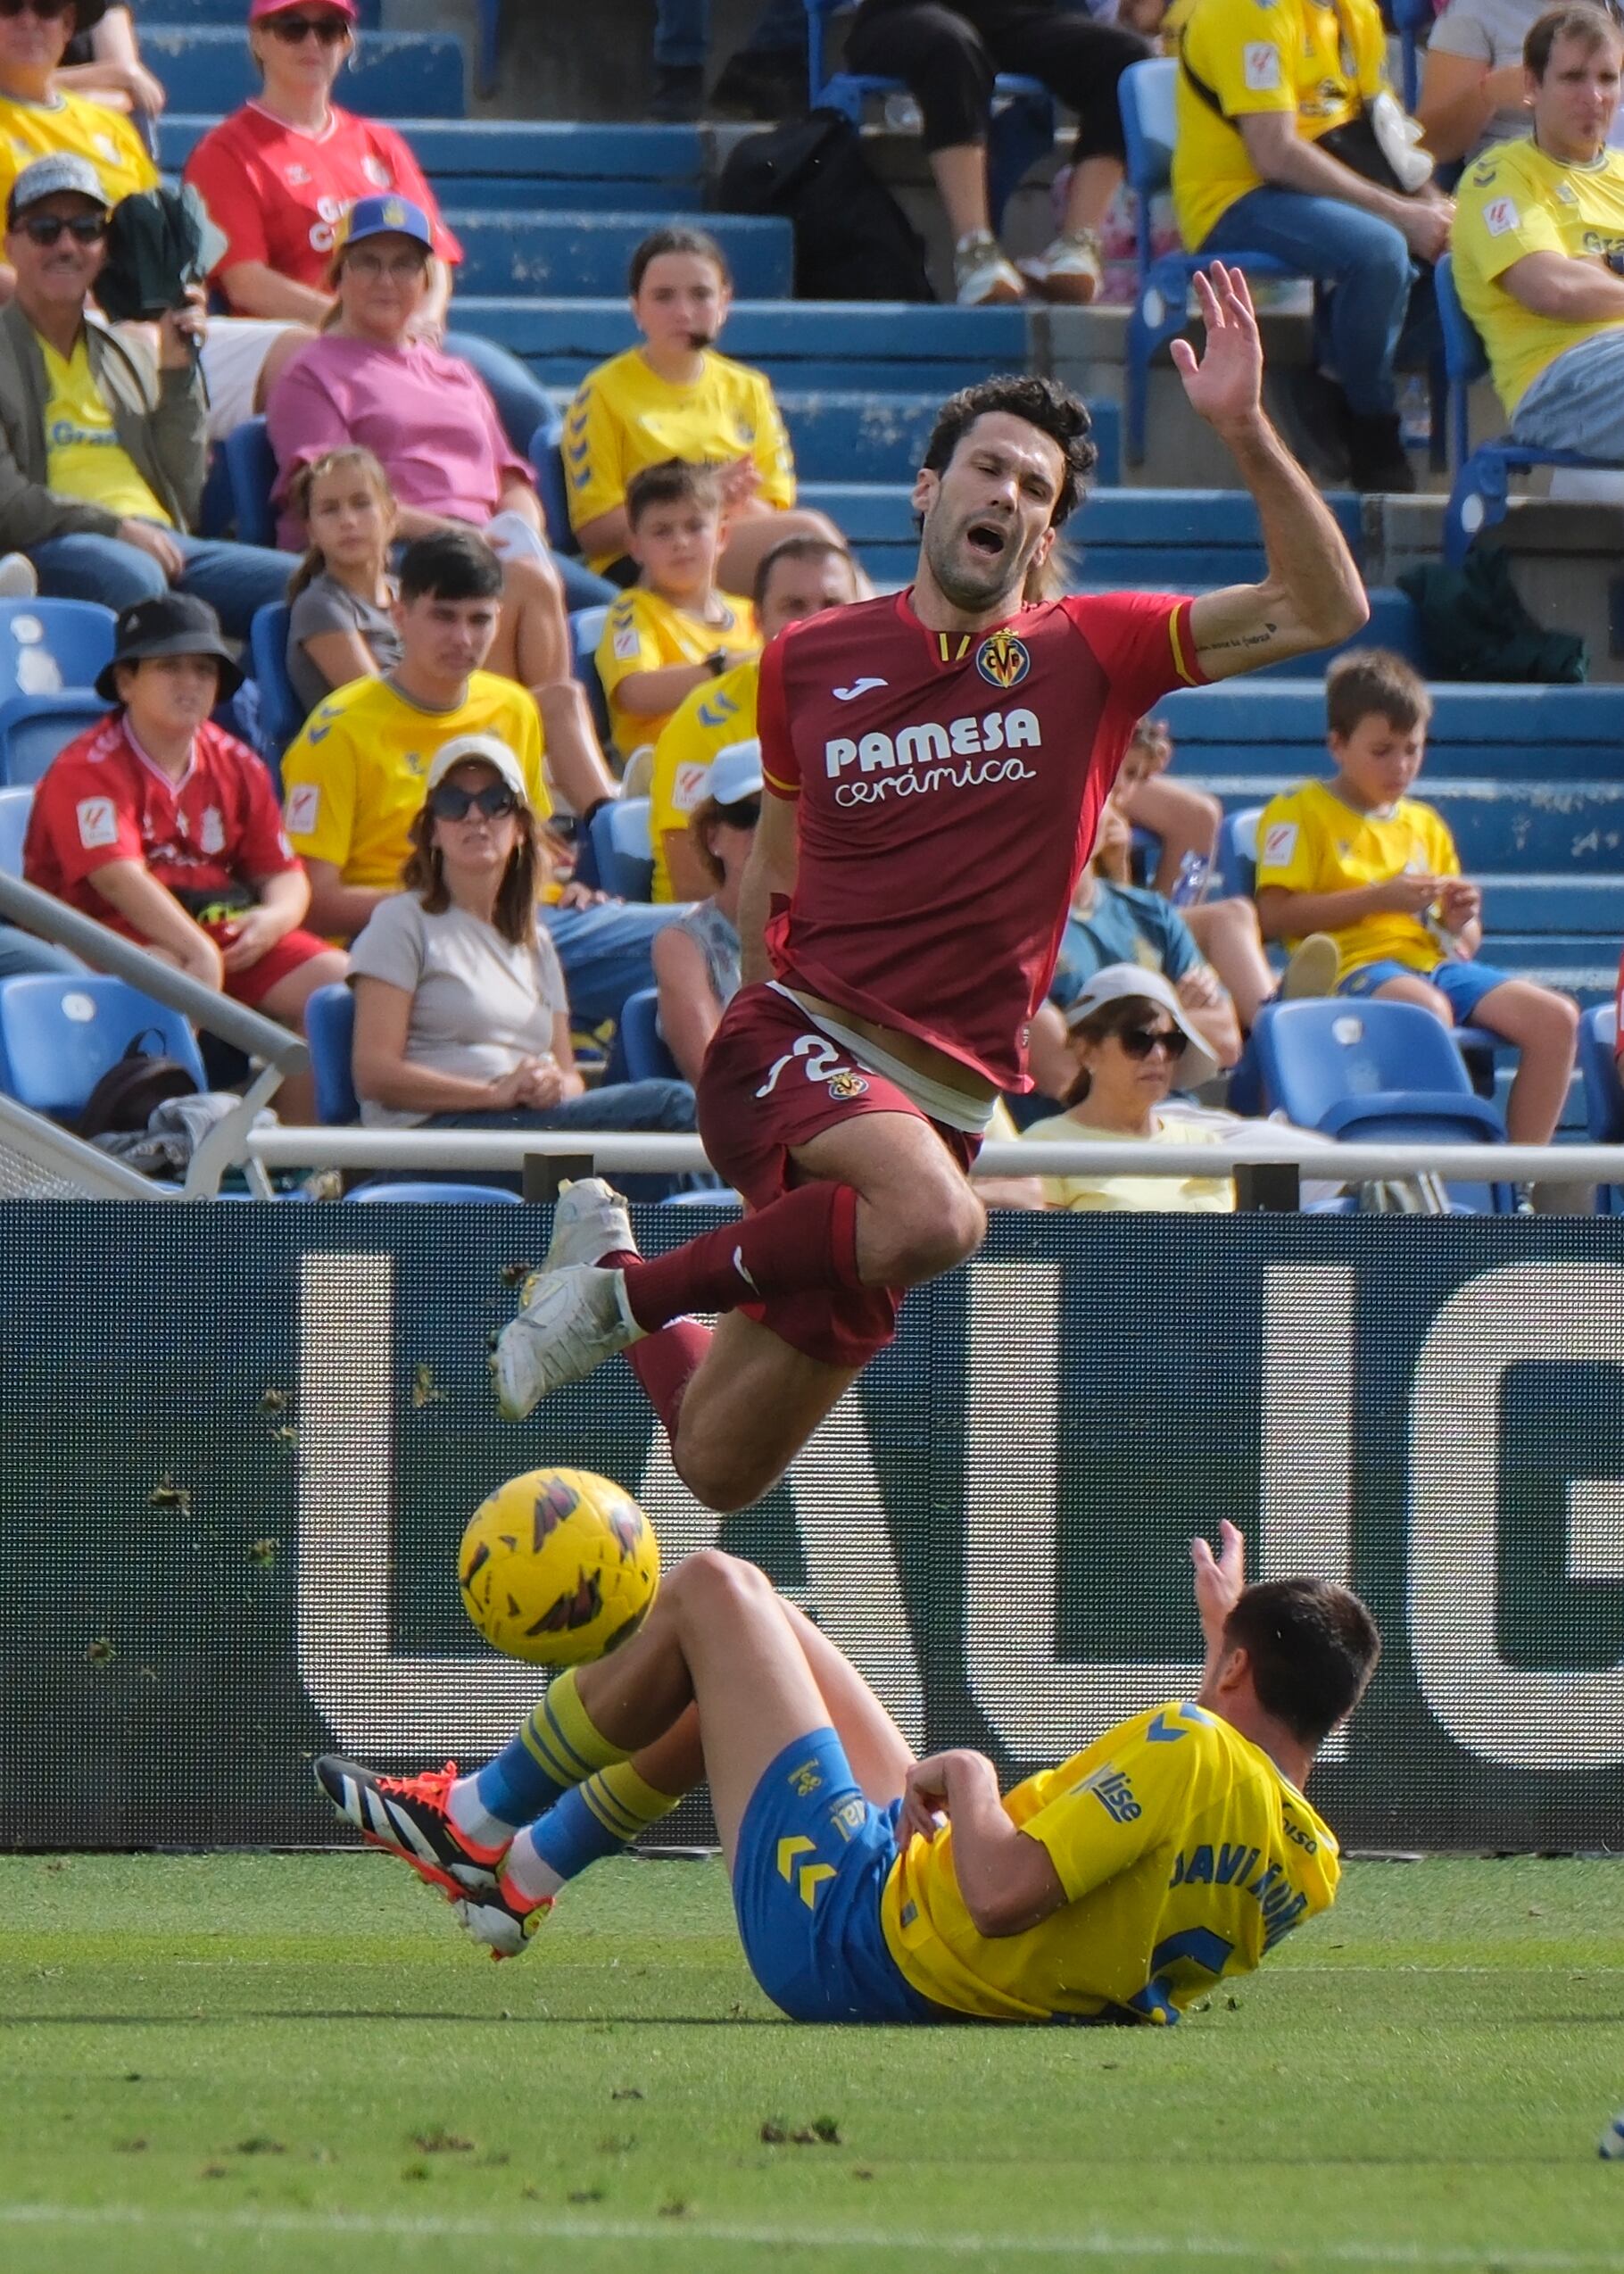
[[1002, 660], [932, 741]]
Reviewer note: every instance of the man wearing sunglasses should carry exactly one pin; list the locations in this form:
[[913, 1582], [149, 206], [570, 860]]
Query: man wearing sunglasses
[[102, 457]]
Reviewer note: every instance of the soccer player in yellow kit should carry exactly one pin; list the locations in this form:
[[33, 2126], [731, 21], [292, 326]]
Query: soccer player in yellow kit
[[1176, 1849]]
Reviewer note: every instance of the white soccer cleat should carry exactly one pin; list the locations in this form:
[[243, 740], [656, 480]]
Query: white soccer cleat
[[496, 1921], [573, 1320], [589, 1222]]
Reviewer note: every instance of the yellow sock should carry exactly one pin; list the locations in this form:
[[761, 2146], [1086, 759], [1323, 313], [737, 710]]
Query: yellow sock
[[625, 1803], [562, 1738]]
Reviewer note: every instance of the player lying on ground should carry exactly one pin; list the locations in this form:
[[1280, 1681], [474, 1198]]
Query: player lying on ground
[[935, 763], [871, 1886]]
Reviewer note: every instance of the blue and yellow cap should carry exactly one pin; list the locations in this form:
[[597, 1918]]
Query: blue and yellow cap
[[385, 216]]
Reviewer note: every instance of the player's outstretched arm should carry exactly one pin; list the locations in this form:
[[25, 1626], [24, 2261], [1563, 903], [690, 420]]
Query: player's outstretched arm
[[1312, 596]]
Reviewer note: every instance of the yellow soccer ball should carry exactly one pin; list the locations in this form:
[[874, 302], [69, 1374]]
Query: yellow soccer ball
[[559, 1567]]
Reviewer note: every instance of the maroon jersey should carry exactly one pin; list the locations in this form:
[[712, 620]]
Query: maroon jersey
[[950, 787]]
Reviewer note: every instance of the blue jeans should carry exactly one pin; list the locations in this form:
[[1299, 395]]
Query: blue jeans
[[1363, 272], [235, 579], [23, 957], [681, 31], [605, 952], [656, 1105]]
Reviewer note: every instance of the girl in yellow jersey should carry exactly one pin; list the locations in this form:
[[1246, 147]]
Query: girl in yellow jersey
[[870, 1887]]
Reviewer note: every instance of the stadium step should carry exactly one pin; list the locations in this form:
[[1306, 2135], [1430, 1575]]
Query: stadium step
[[1504, 732], [393, 75], [848, 435], [559, 250], [1564, 828]]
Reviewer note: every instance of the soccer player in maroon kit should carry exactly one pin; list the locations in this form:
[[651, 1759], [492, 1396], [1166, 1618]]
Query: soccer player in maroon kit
[[936, 761]]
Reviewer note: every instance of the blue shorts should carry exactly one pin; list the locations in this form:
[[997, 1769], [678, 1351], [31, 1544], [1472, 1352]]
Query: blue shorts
[[813, 1858], [1462, 985]]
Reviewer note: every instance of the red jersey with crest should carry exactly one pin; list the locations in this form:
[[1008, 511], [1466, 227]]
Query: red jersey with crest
[[949, 788], [101, 799]]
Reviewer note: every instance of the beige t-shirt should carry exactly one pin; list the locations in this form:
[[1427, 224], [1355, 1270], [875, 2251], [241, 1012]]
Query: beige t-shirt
[[478, 1004], [1108, 1194]]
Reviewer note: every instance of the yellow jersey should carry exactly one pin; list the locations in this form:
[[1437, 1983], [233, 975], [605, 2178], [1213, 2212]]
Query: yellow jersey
[[84, 457], [1514, 201], [1310, 842], [1185, 1855], [1320, 61], [352, 781], [624, 416], [646, 632], [73, 123], [702, 724]]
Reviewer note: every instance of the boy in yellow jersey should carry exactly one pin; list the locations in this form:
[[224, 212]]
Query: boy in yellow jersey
[[1538, 244], [801, 576], [1175, 1850], [1358, 860], [673, 630]]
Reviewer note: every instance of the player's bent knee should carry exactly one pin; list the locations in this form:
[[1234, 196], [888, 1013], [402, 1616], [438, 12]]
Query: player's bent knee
[[945, 1230]]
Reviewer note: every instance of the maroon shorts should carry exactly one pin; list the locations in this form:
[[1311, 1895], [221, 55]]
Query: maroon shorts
[[771, 1081], [293, 949]]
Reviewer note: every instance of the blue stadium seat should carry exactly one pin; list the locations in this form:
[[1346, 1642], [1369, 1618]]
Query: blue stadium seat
[[59, 1035], [15, 807], [1598, 1035], [329, 1029], [641, 1043], [585, 630], [1237, 852], [546, 455], [1161, 297], [621, 849], [392, 74], [281, 713], [251, 475], [31, 739], [50, 653], [1408, 18], [1022, 127], [1479, 498], [465, 1195], [559, 253], [487, 45]]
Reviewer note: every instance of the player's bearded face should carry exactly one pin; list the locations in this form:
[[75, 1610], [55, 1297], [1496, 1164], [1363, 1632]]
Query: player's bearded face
[[986, 519]]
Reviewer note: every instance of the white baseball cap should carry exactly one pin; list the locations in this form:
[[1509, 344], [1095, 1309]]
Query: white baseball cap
[[735, 773], [1120, 982], [486, 750]]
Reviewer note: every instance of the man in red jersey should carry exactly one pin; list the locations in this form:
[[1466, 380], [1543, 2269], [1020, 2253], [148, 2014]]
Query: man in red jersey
[[937, 760]]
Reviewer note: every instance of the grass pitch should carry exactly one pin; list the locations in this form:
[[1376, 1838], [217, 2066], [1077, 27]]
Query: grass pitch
[[297, 2063]]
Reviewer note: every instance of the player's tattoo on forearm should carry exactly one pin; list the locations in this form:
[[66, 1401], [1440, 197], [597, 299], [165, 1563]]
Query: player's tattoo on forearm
[[1241, 640]]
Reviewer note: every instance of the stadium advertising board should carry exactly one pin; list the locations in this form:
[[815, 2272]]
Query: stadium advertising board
[[241, 1443]]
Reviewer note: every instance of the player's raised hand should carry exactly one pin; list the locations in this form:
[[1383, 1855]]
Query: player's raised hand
[[1225, 385], [1220, 1577]]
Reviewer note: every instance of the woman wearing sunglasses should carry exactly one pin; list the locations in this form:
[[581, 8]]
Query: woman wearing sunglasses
[[1131, 1043], [461, 1019]]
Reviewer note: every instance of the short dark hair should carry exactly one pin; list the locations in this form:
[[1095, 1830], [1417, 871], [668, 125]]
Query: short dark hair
[[1373, 681], [1312, 1647], [1044, 404], [452, 564], [658, 241], [673, 481], [1592, 25], [808, 546]]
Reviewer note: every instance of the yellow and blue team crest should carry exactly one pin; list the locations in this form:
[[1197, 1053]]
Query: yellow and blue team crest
[[844, 1083], [1003, 659]]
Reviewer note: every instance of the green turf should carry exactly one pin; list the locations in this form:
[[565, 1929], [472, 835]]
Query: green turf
[[297, 2063]]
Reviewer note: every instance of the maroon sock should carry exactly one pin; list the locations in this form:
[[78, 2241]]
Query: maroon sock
[[806, 1239], [665, 1362]]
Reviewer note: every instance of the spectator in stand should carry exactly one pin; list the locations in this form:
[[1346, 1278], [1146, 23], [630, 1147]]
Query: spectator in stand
[[101, 457], [426, 417], [165, 829], [1377, 870], [1473, 93], [1539, 244], [673, 630], [801, 576], [949, 57], [342, 625], [696, 958], [352, 779], [1184, 822], [462, 1017], [103, 61], [1263, 91], [675, 398], [1127, 1042], [277, 176]]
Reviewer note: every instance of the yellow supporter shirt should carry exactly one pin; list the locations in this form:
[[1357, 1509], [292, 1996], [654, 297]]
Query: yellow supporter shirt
[[73, 122], [1303, 57], [1515, 201], [702, 724], [624, 416], [1184, 1854], [1107, 1195], [1310, 842], [354, 779], [646, 632], [84, 457]]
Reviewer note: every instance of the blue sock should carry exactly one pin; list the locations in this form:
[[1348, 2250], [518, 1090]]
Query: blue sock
[[601, 1817], [557, 1746]]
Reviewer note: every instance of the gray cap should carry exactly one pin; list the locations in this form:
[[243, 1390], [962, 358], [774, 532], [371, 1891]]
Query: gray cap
[[62, 172]]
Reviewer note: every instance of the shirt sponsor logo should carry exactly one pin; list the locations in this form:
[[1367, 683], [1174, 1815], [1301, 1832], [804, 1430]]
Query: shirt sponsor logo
[[857, 687], [1114, 1790], [99, 823], [627, 643], [1500, 214], [1002, 660], [919, 760], [211, 831], [303, 805], [849, 1818], [689, 788], [1280, 842], [1260, 67]]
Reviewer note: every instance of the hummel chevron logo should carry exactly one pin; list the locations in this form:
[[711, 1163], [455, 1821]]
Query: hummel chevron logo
[[860, 687]]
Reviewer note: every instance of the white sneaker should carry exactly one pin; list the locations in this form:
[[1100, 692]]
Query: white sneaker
[[981, 276], [589, 1222], [574, 1319], [1313, 969], [18, 580], [1069, 268]]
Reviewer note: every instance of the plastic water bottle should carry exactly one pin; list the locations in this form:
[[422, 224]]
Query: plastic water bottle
[[1189, 885]]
